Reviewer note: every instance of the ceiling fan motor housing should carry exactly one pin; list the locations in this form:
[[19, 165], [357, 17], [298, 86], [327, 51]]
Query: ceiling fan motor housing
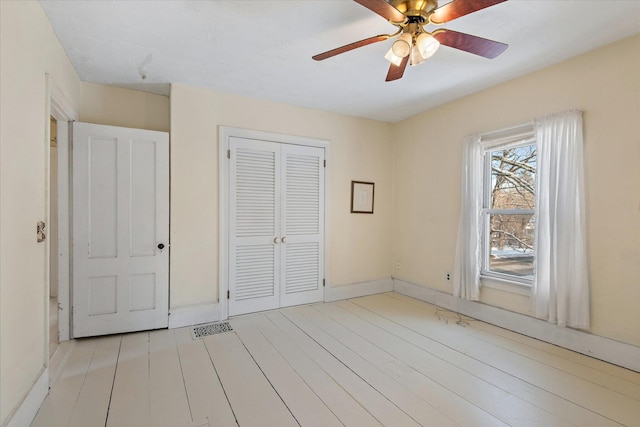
[[415, 8]]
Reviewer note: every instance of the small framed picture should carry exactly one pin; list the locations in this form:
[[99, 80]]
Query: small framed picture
[[362, 197]]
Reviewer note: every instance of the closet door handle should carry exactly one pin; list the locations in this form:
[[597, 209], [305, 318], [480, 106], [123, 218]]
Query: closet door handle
[[284, 239], [276, 240]]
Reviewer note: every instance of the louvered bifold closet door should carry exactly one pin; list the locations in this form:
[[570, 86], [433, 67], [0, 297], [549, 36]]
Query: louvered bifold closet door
[[302, 225], [254, 226]]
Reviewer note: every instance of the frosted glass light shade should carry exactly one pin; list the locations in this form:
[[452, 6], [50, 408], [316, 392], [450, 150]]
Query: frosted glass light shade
[[427, 45], [402, 46], [393, 58], [416, 57]]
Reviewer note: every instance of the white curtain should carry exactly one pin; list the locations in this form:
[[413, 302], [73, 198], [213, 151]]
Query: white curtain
[[466, 268], [560, 291]]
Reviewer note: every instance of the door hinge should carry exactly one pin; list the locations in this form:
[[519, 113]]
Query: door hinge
[[228, 153], [228, 293], [323, 283], [325, 163]]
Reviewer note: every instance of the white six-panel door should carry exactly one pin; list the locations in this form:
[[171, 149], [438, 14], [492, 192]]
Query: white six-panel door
[[120, 229], [276, 226]]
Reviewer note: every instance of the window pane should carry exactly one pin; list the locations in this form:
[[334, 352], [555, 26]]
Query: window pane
[[513, 173], [512, 239]]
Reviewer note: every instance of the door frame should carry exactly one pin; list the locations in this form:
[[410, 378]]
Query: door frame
[[226, 132], [59, 106]]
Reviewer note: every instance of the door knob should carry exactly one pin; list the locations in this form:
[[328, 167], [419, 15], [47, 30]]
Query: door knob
[[161, 246], [276, 240], [284, 239]]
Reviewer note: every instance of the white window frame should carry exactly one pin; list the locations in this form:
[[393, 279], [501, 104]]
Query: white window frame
[[519, 136]]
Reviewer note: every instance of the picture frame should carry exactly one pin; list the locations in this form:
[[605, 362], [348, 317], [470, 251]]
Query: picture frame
[[362, 196]]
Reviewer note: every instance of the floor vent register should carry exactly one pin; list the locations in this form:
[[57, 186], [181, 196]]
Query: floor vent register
[[201, 331]]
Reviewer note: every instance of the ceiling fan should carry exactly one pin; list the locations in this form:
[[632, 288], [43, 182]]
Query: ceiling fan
[[414, 44]]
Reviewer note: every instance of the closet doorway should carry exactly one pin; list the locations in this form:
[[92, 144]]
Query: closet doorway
[[275, 221]]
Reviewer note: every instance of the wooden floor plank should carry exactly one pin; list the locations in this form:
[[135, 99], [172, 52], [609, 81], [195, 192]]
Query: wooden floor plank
[[384, 359], [420, 410], [605, 402], [254, 401], [342, 404], [580, 387], [207, 399], [303, 403], [541, 354], [57, 408], [168, 405], [93, 403], [484, 394], [378, 405], [455, 406], [571, 413], [572, 356], [130, 397]]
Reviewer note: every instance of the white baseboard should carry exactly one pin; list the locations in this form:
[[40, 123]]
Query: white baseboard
[[26, 412], [194, 315], [58, 359], [616, 352], [358, 290]]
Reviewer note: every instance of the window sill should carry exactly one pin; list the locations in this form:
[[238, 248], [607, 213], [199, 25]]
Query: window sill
[[505, 285]]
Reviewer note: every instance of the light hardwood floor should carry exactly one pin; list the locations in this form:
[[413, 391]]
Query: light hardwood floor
[[379, 360]]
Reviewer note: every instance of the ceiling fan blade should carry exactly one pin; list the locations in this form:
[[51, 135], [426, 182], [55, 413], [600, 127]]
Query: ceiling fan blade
[[384, 9], [396, 71], [350, 46], [472, 44], [458, 8]]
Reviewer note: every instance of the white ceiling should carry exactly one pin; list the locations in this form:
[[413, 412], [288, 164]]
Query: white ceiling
[[263, 48]]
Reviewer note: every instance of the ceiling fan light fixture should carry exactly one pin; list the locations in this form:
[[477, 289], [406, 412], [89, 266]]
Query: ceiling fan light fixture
[[393, 58], [427, 45], [412, 43], [402, 47]]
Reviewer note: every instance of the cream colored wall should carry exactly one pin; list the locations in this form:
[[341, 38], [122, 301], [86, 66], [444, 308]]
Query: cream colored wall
[[114, 106], [28, 50], [360, 247], [605, 84]]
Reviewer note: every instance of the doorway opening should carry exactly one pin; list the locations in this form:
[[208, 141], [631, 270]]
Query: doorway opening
[[54, 330], [59, 115]]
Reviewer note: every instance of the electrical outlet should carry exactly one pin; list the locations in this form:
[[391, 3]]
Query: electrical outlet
[[448, 277]]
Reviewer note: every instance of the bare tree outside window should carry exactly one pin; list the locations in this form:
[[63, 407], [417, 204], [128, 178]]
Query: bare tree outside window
[[511, 211]]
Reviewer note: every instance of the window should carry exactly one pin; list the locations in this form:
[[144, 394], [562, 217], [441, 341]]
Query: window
[[508, 214], [502, 219]]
